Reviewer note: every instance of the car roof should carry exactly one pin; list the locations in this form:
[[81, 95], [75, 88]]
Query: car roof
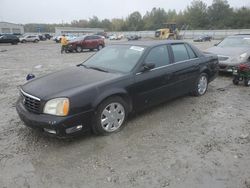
[[151, 43]]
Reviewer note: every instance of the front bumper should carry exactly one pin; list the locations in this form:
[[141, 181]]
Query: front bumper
[[56, 125], [226, 68]]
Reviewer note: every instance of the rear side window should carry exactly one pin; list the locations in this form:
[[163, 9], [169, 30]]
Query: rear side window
[[159, 56], [190, 52], [180, 52]]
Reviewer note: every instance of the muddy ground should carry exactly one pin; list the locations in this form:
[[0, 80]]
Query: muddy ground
[[188, 142]]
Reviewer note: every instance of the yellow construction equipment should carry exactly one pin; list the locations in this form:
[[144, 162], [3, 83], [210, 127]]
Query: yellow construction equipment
[[170, 32]]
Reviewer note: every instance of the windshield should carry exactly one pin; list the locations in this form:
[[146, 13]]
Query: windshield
[[121, 58], [235, 42], [157, 33]]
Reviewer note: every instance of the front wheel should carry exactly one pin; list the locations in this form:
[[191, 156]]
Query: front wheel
[[78, 49], [110, 116], [99, 47], [201, 85], [236, 80], [247, 82]]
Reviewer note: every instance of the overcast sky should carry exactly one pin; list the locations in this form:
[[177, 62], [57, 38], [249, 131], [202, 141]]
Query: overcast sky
[[58, 11]]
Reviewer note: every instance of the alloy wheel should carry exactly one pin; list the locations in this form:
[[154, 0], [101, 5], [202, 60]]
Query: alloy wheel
[[202, 85], [112, 117]]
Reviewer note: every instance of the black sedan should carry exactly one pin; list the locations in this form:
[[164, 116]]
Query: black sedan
[[100, 93], [203, 38]]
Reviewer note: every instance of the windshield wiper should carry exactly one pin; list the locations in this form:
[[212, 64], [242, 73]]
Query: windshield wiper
[[97, 68], [85, 66]]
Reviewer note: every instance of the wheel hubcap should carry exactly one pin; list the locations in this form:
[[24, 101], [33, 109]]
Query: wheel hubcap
[[78, 49], [112, 117], [202, 85]]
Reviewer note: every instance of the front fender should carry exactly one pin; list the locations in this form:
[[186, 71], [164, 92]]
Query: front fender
[[106, 94]]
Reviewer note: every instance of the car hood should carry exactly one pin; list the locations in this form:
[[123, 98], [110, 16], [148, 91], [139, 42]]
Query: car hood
[[227, 51], [56, 84]]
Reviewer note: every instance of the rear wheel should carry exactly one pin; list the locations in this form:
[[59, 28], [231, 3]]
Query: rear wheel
[[235, 80], [247, 82], [78, 49], [201, 85], [99, 47], [110, 116]]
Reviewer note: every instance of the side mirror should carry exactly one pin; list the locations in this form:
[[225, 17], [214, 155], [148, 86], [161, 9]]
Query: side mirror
[[147, 67]]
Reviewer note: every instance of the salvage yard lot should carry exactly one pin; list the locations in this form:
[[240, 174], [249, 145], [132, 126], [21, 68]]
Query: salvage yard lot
[[187, 142]]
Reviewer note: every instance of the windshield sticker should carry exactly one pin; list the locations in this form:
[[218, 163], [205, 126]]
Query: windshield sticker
[[137, 48]]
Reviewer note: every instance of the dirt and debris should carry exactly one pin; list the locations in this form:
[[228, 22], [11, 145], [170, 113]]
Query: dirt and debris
[[187, 142]]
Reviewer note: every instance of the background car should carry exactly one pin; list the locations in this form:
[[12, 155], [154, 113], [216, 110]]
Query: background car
[[203, 38], [133, 37], [29, 38], [57, 39], [86, 42], [232, 51], [42, 37], [9, 38], [113, 37], [48, 36]]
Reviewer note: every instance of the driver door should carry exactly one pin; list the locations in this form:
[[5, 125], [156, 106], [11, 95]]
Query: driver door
[[153, 86]]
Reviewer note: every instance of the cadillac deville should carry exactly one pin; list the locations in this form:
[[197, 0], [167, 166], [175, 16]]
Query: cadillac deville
[[99, 93]]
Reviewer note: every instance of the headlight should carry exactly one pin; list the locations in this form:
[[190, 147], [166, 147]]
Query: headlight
[[57, 106], [243, 56]]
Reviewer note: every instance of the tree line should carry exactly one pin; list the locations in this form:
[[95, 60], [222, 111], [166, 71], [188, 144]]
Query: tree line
[[198, 15]]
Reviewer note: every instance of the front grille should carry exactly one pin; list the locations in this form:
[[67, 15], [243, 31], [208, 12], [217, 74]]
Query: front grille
[[30, 102], [223, 58]]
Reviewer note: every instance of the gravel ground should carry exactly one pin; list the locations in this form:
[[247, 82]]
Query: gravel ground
[[187, 142]]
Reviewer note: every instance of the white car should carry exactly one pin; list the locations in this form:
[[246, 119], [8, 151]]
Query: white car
[[113, 37], [29, 38], [68, 37]]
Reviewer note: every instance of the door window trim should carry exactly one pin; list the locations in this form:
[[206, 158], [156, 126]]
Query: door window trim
[[174, 63]]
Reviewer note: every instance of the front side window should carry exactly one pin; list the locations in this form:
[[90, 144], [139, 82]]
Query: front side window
[[180, 52], [158, 56]]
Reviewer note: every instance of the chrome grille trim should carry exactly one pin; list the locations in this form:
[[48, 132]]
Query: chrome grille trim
[[28, 95]]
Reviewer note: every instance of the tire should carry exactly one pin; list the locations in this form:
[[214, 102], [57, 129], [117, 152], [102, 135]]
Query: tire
[[78, 49], [99, 47], [107, 119], [35, 41], [201, 85], [235, 80], [247, 82]]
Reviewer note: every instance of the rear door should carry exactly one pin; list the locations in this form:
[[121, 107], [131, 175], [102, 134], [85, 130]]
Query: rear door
[[185, 68]]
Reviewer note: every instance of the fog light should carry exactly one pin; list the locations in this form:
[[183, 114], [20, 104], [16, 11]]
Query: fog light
[[74, 129], [51, 131]]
